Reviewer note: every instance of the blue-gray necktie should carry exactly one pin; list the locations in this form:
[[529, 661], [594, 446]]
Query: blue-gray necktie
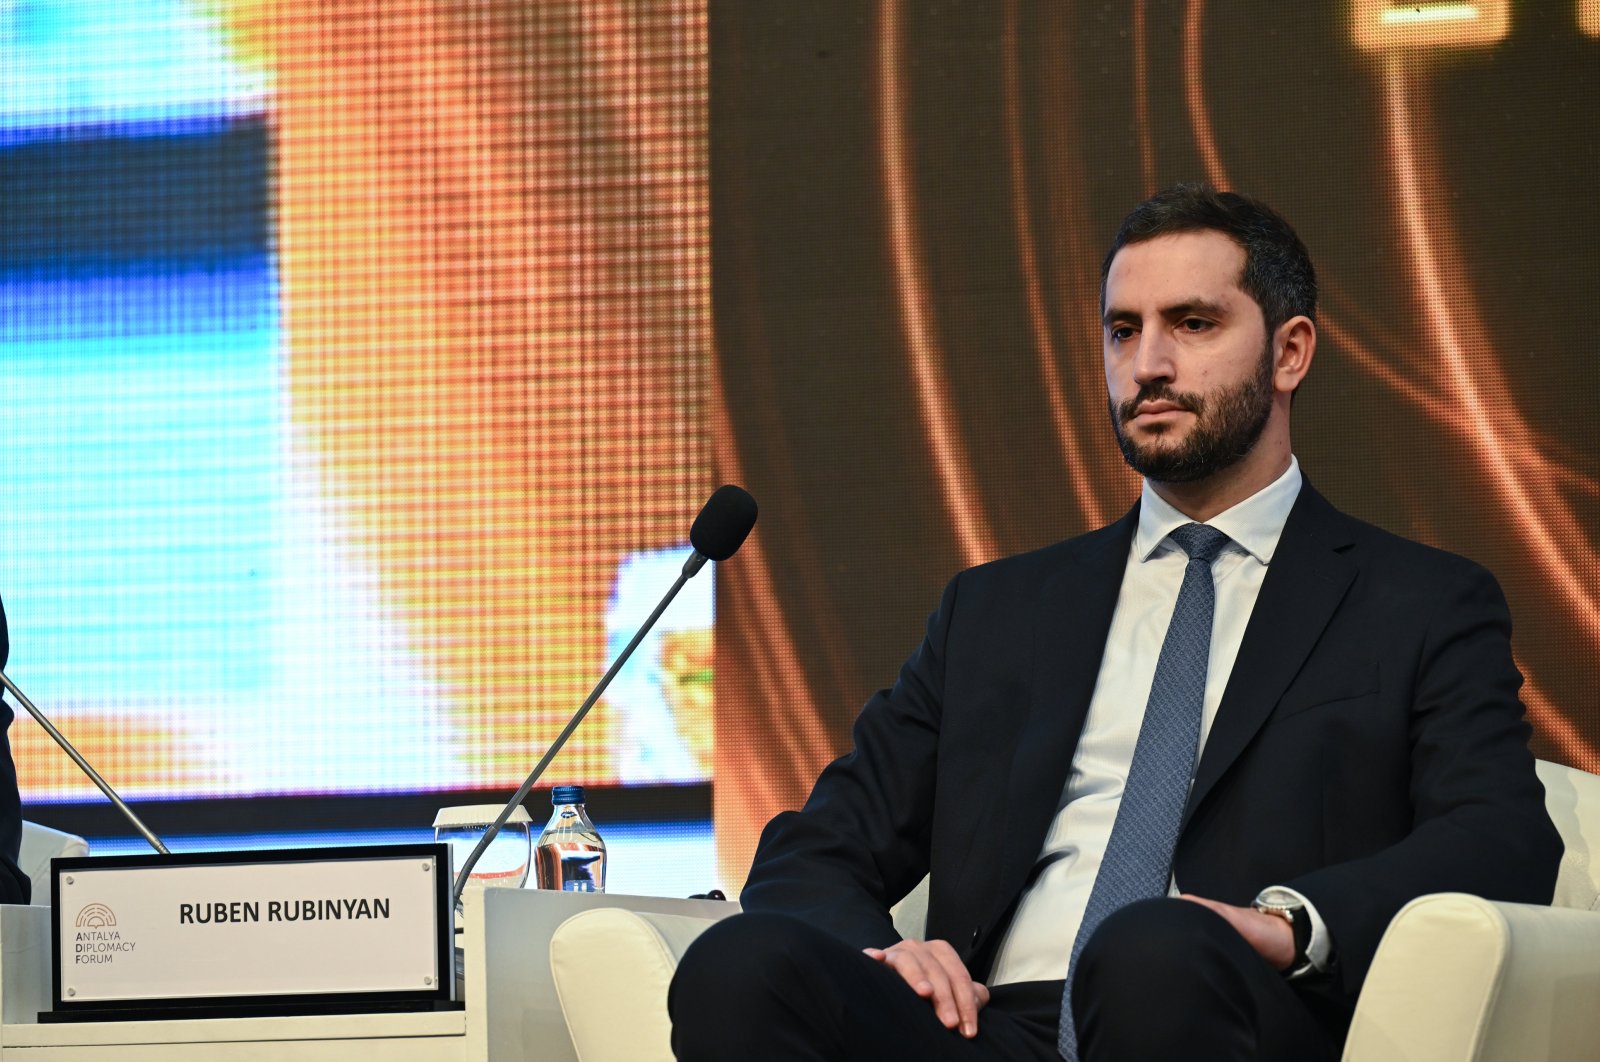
[[1138, 860]]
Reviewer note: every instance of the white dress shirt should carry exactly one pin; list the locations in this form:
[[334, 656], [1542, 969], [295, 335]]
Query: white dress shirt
[[1038, 943]]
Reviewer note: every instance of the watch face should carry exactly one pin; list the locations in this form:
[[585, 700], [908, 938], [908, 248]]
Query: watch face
[[1276, 897]]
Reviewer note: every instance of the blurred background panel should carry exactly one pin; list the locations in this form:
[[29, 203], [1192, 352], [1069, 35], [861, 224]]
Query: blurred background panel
[[910, 203], [365, 364]]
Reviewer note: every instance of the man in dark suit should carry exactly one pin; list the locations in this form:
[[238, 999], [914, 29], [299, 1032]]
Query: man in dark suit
[[1170, 779], [14, 884]]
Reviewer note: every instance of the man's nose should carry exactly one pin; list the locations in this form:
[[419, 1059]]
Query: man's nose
[[1154, 360]]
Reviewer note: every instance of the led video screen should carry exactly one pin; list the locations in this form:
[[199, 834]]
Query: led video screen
[[356, 364]]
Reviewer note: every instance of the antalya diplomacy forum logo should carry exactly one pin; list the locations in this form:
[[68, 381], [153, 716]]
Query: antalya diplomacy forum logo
[[98, 941]]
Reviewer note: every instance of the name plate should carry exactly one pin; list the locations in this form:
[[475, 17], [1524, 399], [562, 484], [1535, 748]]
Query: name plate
[[252, 932]]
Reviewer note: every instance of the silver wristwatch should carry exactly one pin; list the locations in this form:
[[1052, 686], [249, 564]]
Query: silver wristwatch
[[1281, 903]]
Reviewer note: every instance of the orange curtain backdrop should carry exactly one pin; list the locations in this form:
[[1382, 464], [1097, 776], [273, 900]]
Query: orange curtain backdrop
[[493, 225]]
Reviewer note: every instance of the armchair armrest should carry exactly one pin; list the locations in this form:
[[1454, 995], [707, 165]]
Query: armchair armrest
[[1462, 979], [611, 968]]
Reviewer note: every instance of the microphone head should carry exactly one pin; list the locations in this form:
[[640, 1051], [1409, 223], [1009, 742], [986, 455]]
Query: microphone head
[[724, 522]]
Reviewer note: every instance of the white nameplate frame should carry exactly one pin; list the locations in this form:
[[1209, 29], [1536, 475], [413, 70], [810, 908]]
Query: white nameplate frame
[[251, 932]]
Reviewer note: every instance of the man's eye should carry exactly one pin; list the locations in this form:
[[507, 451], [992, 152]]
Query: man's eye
[[1121, 333], [1194, 324]]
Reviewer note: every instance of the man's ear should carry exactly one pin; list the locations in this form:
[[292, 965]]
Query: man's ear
[[1293, 347]]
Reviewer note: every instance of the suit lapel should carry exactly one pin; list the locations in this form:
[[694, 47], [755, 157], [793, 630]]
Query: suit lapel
[[1075, 606], [1307, 579]]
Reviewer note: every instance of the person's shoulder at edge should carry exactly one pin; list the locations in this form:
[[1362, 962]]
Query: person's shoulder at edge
[[1406, 561]]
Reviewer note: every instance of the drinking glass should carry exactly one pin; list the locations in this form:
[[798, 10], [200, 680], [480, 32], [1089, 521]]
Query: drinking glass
[[505, 863]]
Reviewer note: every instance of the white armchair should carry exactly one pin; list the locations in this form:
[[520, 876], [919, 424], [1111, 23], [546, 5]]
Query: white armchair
[[1456, 978], [1462, 979]]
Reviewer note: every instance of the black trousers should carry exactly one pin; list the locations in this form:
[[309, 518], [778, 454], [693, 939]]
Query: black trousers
[[1161, 979]]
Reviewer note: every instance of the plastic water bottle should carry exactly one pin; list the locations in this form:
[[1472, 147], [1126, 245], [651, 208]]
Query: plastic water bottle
[[571, 857]]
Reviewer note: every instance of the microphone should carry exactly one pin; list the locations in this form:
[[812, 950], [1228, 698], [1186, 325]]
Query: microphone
[[717, 533], [720, 529], [66, 746]]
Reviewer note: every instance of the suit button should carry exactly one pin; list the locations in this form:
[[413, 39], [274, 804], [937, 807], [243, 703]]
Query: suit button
[[976, 933]]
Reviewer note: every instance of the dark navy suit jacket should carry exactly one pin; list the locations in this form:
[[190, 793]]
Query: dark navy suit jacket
[[1369, 748], [14, 885]]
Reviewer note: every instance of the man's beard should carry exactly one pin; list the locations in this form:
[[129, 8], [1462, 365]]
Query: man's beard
[[1227, 425]]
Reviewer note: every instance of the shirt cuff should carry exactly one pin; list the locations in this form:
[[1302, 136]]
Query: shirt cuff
[[1320, 950]]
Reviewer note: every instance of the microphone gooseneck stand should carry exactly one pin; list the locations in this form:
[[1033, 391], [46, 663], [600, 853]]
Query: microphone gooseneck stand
[[83, 764], [692, 565], [719, 530]]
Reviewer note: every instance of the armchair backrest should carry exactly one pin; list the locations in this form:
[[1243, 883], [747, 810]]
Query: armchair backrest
[[40, 844], [1573, 799]]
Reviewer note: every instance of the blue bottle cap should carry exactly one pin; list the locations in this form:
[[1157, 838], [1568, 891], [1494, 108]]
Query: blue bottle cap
[[566, 794]]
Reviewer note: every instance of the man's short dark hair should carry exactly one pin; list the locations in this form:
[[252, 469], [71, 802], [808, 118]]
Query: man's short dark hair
[[1277, 270]]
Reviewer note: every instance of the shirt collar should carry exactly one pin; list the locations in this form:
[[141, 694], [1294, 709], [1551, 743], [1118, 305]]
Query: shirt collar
[[1254, 525]]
